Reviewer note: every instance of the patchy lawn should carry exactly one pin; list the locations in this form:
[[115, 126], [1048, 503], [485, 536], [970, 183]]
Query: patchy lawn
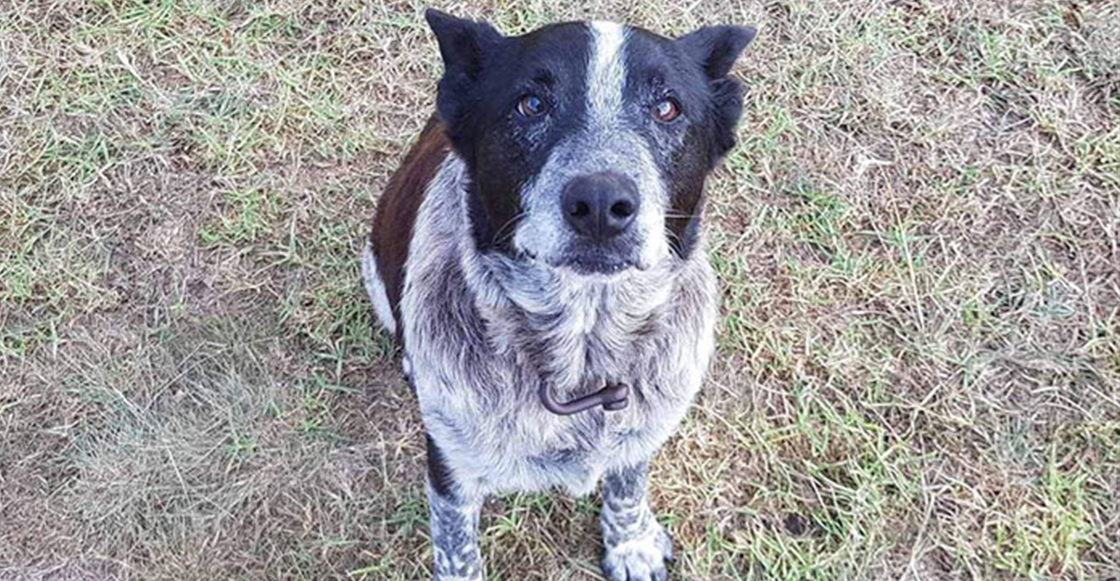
[[918, 237]]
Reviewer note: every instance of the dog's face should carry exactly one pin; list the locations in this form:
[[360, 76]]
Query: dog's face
[[588, 143]]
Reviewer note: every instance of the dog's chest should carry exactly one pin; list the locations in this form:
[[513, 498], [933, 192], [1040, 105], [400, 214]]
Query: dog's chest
[[517, 445], [481, 338], [478, 388]]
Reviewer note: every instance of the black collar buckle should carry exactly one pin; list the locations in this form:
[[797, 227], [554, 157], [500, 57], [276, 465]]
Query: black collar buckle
[[612, 397]]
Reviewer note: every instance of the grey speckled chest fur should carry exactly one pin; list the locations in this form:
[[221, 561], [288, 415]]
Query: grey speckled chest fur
[[481, 332]]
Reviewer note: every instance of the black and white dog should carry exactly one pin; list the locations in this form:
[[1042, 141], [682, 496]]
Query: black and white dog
[[539, 256]]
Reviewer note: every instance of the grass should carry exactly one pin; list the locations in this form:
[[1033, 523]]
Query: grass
[[917, 238]]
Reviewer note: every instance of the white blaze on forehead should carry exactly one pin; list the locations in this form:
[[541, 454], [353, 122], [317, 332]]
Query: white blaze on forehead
[[606, 73]]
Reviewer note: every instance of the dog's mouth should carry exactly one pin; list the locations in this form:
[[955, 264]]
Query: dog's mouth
[[585, 263], [597, 264], [598, 259]]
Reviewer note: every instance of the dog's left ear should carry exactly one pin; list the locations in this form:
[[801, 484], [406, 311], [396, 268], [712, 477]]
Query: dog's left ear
[[715, 48]]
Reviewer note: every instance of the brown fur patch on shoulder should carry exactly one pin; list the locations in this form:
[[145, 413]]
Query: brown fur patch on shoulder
[[398, 206]]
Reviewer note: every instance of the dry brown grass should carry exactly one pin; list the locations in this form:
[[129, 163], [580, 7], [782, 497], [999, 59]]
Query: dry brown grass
[[919, 238]]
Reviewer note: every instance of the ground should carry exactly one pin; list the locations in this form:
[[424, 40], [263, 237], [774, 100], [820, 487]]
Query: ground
[[918, 239]]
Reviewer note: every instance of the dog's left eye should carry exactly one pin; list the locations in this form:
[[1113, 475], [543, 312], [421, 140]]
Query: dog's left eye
[[666, 110], [531, 106]]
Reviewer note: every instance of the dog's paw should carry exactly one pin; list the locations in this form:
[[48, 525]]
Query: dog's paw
[[640, 559]]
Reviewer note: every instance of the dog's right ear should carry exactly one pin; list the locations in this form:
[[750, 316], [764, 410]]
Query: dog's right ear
[[462, 43], [464, 46]]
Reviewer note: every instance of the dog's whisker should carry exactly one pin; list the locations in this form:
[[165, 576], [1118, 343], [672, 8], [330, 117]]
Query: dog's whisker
[[510, 225], [673, 215]]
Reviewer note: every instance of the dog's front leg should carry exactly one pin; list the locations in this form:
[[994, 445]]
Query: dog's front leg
[[636, 547], [452, 523]]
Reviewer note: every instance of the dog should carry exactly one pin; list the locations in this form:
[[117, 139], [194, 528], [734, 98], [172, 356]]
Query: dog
[[539, 257]]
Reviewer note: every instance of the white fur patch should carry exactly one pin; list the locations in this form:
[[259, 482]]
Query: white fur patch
[[640, 558], [606, 73], [376, 289]]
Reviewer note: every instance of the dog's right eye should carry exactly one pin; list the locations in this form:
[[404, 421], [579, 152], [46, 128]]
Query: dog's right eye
[[531, 106]]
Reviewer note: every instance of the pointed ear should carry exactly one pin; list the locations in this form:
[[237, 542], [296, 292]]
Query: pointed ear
[[462, 43], [717, 47]]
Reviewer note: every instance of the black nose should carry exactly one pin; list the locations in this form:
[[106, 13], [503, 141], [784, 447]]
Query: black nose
[[600, 205]]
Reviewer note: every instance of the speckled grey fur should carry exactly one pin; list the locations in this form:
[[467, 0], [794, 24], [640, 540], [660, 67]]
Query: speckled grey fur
[[482, 332]]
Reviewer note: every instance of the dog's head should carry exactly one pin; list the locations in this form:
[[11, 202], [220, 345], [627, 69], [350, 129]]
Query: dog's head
[[588, 144]]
